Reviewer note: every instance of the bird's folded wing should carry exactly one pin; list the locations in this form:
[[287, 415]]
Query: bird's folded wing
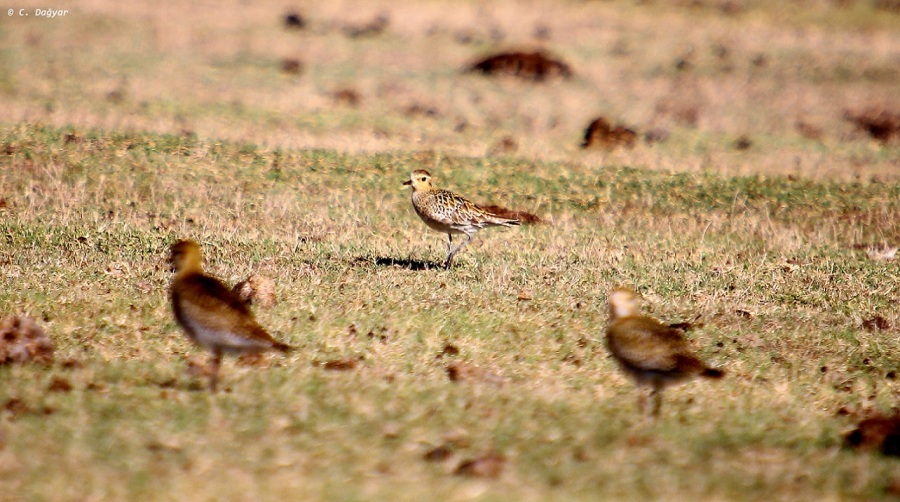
[[209, 314], [646, 344], [449, 208], [209, 301]]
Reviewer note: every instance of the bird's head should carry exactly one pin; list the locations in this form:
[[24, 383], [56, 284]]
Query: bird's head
[[420, 180], [623, 302], [185, 256]]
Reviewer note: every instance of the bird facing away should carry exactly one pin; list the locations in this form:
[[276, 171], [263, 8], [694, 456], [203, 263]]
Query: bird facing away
[[210, 314], [449, 213], [652, 354]]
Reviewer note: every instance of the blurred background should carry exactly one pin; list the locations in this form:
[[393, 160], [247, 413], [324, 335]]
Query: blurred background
[[805, 88]]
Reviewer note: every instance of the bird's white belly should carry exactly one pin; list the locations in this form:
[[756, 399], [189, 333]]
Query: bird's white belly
[[225, 341]]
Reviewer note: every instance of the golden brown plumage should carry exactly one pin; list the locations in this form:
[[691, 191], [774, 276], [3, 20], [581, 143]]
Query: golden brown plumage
[[652, 354], [450, 213], [210, 314]]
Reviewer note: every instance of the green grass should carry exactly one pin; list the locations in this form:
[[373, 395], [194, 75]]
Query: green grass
[[85, 232]]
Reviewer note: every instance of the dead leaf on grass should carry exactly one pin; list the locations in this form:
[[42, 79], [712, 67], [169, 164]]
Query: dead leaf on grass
[[15, 407], [881, 433], [462, 371], [876, 323], [23, 340], [449, 350], [59, 384], [438, 454], [487, 466], [345, 364], [346, 96]]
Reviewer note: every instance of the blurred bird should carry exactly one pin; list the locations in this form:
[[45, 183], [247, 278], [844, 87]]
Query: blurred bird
[[210, 314], [652, 354], [450, 213]]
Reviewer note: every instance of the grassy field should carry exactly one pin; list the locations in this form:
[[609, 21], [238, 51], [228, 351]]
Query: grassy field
[[124, 130]]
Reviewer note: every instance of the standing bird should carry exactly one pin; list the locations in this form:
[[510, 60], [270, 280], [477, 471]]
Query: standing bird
[[652, 354], [449, 213], [210, 314]]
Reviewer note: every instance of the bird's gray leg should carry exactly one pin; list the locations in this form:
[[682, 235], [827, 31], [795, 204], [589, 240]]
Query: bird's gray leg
[[214, 363], [449, 250], [456, 250]]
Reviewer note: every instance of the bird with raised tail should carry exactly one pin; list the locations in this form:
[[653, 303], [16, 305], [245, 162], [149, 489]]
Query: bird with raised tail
[[210, 314], [652, 354], [450, 213]]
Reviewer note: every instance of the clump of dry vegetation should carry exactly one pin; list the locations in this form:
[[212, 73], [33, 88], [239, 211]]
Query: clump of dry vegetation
[[346, 96], [256, 289], [601, 134], [292, 66], [879, 123], [879, 433], [294, 21], [486, 466], [531, 66], [22, 340]]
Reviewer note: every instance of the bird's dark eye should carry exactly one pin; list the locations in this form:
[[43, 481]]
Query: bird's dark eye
[[423, 179]]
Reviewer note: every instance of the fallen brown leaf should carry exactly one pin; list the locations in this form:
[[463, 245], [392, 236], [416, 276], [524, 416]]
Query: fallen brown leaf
[[448, 351], [342, 364], [16, 406], [487, 466], [876, 323], [59, 384], [880, 433], [23, 340], [438, 454], [462, 371]]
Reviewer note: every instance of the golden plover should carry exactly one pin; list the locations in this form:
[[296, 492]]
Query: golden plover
[[210, 314], [449, 213], [652, 354]]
